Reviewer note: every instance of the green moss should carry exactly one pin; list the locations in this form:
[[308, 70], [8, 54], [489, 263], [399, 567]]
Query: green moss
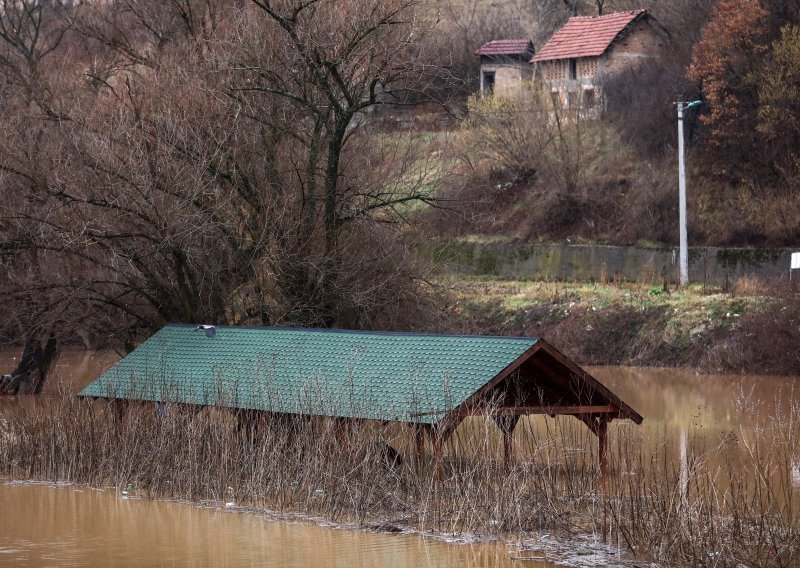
[[732, 257]]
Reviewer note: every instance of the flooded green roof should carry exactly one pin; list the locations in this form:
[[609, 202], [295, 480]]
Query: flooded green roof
[[373, 375]]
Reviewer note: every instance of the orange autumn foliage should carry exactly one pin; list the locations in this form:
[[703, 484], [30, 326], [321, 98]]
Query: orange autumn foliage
[[726, 61]]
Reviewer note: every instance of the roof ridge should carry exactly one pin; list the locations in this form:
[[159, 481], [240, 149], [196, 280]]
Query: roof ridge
[[626, 12], [342, 331]]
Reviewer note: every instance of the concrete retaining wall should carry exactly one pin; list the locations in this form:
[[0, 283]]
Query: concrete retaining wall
[[712, 265]]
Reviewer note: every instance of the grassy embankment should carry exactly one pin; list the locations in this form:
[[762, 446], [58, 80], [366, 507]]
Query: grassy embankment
[[595, 186], [750, 329]]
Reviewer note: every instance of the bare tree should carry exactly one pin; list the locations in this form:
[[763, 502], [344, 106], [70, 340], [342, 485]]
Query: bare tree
[[187, 163]]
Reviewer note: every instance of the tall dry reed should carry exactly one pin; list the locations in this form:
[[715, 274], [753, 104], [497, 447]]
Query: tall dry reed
[[685, 498]]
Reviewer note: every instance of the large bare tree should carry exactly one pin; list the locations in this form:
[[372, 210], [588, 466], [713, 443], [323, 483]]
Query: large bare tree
[[183, 162]]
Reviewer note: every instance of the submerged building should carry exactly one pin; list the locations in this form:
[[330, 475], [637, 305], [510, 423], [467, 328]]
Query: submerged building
[[430, 382]]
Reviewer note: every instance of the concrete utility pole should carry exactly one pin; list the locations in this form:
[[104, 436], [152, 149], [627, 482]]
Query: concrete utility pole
[[684, 246]]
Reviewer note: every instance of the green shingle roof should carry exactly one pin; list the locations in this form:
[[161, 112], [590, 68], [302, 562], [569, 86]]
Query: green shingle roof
[[372, 375]]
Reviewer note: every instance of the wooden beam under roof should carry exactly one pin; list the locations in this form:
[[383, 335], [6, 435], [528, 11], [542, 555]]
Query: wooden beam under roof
[[625, 410]]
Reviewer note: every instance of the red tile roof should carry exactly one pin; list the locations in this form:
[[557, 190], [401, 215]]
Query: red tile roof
[[506, 47], [586, 36]]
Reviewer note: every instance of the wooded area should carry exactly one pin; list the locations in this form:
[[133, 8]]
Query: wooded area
[[733, 55], [195, 161]]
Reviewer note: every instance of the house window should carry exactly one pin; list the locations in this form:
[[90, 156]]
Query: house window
[[572, 99], [573, 68], [488, 82], [588, 98]]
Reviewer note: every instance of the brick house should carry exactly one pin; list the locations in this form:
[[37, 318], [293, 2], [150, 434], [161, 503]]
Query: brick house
[[504, 63], [578, 58]]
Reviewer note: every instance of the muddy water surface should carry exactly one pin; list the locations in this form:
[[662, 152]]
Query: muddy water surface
[[681, 398], [68, 526], [74, 369]]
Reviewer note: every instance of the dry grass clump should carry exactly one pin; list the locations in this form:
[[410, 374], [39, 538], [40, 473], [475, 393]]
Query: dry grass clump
[[691, 499], [728, 500], [748, 286]]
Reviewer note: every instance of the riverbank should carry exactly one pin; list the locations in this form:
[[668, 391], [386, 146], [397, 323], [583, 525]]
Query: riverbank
[[752, 328]]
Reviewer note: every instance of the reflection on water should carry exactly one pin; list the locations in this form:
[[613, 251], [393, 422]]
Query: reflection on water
[[682, 397], [49, 526], [690, 409]]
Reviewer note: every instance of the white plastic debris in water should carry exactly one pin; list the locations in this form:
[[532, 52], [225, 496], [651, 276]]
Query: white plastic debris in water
[[230, 504]]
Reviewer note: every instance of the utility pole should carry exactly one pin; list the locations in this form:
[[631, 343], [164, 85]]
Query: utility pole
[[684, 245]]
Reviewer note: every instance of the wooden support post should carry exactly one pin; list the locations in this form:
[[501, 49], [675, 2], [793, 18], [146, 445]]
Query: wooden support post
[[602, 448], [118, 408], [438, 439], [342, 429], [602, 459], [507, 424], [243, 420], [256, 424], [508, 449], [419, 434]]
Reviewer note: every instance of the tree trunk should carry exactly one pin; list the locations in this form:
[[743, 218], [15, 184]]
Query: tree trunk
[[37, 359]]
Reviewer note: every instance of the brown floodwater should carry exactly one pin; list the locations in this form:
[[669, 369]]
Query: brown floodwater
[[74, 369], [45, 526], [682, 398], [69, 526]]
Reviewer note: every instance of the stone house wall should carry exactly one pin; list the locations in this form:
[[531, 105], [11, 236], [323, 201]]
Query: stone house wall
[[507, 74], [634, 48]]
